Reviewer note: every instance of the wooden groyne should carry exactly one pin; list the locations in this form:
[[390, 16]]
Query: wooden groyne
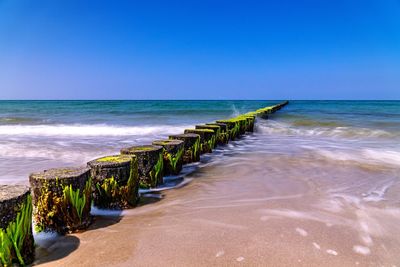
[[17, 246], [61, 198]]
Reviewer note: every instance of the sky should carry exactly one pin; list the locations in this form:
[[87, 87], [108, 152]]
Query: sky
[[200, 49]]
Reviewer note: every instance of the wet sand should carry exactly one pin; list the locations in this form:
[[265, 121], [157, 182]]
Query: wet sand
[[252, 209]]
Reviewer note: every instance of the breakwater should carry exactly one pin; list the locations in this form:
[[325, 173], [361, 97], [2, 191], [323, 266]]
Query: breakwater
[[68, 191]]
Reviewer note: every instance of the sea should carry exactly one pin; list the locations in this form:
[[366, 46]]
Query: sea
[[36, 135], [322, 175]]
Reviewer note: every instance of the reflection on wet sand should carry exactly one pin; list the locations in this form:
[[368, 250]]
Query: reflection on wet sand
[[285, 207]]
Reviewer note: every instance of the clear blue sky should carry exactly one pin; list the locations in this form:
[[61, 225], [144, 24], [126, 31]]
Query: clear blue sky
[[200, 49]]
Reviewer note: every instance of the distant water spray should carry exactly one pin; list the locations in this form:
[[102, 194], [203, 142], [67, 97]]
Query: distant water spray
[[235, 111]]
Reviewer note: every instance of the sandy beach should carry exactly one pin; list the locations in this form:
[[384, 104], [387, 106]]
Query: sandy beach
[[252, 210], [317, 184]]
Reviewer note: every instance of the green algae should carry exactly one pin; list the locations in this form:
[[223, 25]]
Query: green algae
[[77, 200], [114, 159], [267, 110], [199, 130], [212, 142], [174, 159], [110, 191], [13, 238], [234, 132], [163, 142], [157, 172], [218, 135], [196, 149], [231, 124], [206, 145], [142, 148], [61, 212]]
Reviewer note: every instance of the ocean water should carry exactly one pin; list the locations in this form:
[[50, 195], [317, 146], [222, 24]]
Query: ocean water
[[318, 182], [35, 135]]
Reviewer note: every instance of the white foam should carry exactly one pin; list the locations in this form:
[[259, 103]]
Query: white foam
[[361, 250], [239, 259], [87, 130], [380, 155], [316, 245], [45, 239], [301, 231], [274, 127], [331, 252], [366, 238], [104, 212], [220, 253], [377, 194]]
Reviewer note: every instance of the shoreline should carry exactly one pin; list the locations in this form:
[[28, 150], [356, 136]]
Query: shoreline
[[59, 200], [218, 220]]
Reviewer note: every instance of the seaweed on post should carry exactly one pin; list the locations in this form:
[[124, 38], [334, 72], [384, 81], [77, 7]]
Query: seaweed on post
[[123, 195], [211, 142], [157, 170], [13, 238], [77, 199], [174, 159], [61, 212], [235, 131], [196, 149]]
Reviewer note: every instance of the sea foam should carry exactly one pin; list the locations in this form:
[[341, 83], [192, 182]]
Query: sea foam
[[87, 130]]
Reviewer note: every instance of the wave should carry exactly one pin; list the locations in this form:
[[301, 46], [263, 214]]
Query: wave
[[365, 155], [314, 123], [274, 127], [88, 130]]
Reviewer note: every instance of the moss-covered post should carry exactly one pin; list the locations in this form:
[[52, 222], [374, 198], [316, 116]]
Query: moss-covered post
[[217, 132], [207, 139], [16, 239], [150, 164], [242, 124], [61, 199], [264, 112], [115, 182], [250, 122], [191, 143], [224, 132], [233, 128], [173, 155]]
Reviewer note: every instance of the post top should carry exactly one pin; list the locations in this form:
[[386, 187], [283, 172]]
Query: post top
[[8, 192], [141, 149], [60, 173]]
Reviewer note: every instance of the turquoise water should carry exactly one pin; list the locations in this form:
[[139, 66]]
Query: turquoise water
[[120, 112], [35, 135]]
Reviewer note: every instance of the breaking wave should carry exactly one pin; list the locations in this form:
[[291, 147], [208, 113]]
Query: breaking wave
[[274, 127], [87, 130]]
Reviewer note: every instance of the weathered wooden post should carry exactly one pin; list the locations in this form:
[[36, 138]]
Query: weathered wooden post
[[16, 239], [217, 132], [191, 144], [224, 133], [242, 124], [264, 112], [61, 199], [150, 164], [173, 155], [250, 122], [207, 139], [233, 128], [115, 181]]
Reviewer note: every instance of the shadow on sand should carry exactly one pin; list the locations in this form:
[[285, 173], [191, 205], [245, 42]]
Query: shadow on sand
[[51, 247]]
